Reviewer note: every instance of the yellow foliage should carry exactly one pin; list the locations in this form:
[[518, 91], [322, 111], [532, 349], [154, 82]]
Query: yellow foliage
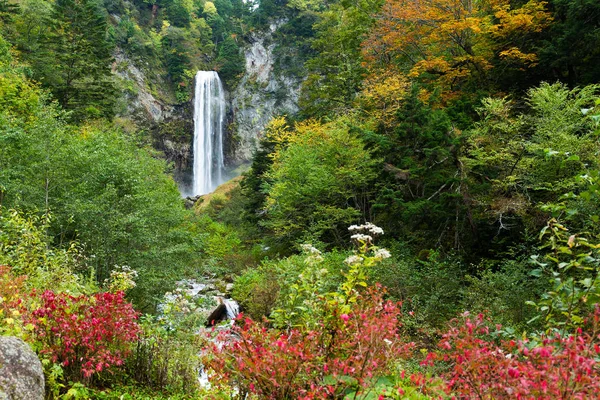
[[531, 17], [435, 65], [17, 95], [383, 94], [209, 8], [515, 54], [282, 135], [311, 131], [278, 132]]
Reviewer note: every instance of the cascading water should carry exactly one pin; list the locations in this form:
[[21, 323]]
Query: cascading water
[[209, 117]]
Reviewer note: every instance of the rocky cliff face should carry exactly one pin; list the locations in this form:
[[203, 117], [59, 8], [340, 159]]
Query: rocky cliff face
[[261, 94], [140, 102], [152, 109]]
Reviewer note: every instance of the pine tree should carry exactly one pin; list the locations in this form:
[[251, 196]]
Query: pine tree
[[76, 62]]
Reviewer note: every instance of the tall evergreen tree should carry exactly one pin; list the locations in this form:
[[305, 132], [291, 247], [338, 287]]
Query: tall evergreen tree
[[76, 62], [571, 52], [335, 74]]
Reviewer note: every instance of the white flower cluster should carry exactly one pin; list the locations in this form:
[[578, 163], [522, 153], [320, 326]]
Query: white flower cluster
[[310, 249], [314, 255], [368, 228], [352, 260], [121, 278], [359, 237], [381, 254]]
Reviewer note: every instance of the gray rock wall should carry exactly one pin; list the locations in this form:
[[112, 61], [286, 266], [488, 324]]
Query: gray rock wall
[[21, 373], [261, 94], [152, 110], [140, 103]]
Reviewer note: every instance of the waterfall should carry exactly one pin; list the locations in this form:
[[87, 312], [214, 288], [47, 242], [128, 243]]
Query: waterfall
[[233, 308], [209, 117]]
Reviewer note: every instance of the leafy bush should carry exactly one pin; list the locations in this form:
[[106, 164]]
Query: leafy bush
[[257, 291], [549, 367], [84, 334], [269, 286], [165, 359], [13, 295], [76, 336], [344, 354], [432, 287], [502, 291], [572, 265]]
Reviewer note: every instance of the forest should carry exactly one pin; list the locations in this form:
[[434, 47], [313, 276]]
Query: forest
[[426, 226]]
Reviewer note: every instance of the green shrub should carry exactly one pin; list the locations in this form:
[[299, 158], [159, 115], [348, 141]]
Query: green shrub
[[165, 359], [25, 247], [257, 291], [502, 291], [431, 287]]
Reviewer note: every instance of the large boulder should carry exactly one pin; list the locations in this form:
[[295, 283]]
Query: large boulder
[[21, 373]]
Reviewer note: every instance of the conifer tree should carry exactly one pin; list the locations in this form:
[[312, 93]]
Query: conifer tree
[[77, 59]]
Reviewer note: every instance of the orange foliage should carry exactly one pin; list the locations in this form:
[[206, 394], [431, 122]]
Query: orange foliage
[[449, 42], [436, 40]]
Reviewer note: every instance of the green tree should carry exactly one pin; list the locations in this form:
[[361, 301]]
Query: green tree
[[518, 161], [335, 74], [176, 53], [230, 60], [179, 12], [571, 51], [75, 63], [420, 194], [255, 180], [32, 26], [318, 184]]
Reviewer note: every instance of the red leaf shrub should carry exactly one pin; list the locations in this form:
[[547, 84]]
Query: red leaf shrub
[[85, 334], [555, 367], [348, 351]]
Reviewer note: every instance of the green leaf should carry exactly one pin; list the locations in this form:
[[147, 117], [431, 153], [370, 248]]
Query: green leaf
[[587, 282], [329, 380], [543, 232], [576, 319]]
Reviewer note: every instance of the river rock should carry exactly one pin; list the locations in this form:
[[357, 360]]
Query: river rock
[[21, 373]]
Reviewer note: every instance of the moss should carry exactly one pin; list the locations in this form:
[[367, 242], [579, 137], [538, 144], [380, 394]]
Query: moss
[[176, 129]]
